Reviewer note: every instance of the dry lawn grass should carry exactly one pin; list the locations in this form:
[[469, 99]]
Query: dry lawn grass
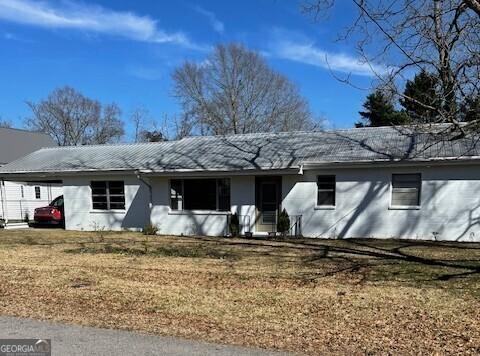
[[308, 296]]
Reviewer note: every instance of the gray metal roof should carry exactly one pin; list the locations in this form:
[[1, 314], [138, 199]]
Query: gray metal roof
[[261, 151], [16, 143]]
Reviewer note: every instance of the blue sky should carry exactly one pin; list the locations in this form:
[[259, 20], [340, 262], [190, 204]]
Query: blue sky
[[124, 51]]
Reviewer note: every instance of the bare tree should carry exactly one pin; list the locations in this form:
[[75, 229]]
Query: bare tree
[[5, 123], [234, 91], [184, 126], [139, 117], [441, 37], [473, 5], [147, 129], [71, 118]]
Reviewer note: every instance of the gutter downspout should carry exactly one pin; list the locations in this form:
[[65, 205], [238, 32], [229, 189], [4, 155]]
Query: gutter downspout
[[300, 171], [4, 204], [150, 195]]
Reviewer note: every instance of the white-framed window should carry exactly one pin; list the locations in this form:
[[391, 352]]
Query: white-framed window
[[108, 195], [326, 185], [200, 194], [38, 194], [406, 190]]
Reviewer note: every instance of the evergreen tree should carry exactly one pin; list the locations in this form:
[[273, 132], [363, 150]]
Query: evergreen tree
[[421, 90], [283, 223], [471, 108], [380, 111]]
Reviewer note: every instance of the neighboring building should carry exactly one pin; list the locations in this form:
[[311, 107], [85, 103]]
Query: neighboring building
[[19, 199], [368, 182]]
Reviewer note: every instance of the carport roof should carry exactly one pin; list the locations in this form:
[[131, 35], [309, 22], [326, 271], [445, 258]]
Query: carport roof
[[262, 151]]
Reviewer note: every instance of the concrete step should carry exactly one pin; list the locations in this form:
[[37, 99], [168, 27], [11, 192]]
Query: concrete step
[[16, 226]]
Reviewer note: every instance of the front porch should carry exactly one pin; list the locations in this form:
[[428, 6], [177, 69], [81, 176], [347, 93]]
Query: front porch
[[206, 205], [246, 230]]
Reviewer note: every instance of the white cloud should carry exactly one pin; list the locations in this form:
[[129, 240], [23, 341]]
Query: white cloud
[[306, 52], [94, 18], [217, 25], [145, 73]]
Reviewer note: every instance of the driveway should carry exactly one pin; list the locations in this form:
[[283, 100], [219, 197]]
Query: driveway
[[79, 340]]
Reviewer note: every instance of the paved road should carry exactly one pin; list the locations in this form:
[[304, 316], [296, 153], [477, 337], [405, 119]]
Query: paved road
[[78, 340]]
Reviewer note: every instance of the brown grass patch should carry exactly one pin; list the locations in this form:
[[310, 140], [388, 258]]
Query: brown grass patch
[[310, 296]]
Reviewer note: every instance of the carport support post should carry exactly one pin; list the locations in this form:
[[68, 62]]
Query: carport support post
[[4, 204], [150, 196]]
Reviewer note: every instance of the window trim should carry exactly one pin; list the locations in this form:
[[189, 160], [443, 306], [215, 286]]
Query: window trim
[[107, 195], [326, 207], [183, 211], [391, 206], [39, 189]]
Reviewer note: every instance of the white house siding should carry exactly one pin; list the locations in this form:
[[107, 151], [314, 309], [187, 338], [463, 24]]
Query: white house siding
[[242, 198], [79, 214], [450, 204], [16, 207]]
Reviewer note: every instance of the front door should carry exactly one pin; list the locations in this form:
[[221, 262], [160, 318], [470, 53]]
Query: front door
[[268, 193]]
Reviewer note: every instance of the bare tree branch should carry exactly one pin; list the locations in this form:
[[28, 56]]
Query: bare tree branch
[[235, 92], [441, 37], [73, 119]]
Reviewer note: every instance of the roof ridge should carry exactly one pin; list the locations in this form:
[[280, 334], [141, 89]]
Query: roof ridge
[[212, 137], [251, 134], [302, 131], [109, 145], [238, 136]]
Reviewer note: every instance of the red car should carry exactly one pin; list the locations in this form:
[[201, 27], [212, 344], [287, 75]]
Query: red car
[[53, 214]]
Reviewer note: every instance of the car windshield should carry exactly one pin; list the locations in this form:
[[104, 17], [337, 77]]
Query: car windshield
[[57, 202]]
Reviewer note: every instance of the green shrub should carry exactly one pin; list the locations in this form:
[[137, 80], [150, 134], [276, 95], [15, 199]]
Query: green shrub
[[234, 225], [150, 230], [283, 222]]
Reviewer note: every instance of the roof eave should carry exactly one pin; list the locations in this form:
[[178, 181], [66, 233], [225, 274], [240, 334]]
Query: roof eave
[[216, 172], [183, 172], [18, 175], [390, 163]]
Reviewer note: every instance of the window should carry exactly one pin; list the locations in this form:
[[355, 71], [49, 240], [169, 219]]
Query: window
[[108, 195], [176, 194], [200, 194], [223, 194], [406, 189], [37, 193], [326, 191]]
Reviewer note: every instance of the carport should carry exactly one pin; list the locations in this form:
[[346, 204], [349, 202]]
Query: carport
[[20, 196]]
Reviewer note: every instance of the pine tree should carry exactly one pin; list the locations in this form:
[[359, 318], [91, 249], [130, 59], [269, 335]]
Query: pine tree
[[283, 223], [234, 225], [421, 90], [471, 108], [380, 111]]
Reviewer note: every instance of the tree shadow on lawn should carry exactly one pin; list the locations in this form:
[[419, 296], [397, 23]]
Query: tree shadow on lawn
[[372, 260], [360, 260], [375, 260], [402, 260], [147, 249]]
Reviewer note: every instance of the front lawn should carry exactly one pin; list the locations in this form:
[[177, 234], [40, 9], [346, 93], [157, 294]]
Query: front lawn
[[311, 296]]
